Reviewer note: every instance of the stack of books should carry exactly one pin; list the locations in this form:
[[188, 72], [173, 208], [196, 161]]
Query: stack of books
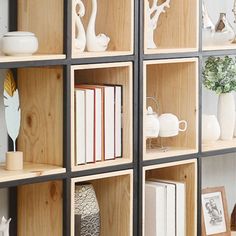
[[165, 206], [98, 123]]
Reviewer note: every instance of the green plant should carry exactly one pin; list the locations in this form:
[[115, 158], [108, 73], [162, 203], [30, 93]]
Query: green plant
[[219, 74]]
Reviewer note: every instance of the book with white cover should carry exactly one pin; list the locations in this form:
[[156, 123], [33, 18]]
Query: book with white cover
[[80, 127], [180, 206], [170, 207], [109, 122], [118, 121], [89, 108], [155, 212]]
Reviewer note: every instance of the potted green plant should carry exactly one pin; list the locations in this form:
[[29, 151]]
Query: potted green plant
[[219, 76]]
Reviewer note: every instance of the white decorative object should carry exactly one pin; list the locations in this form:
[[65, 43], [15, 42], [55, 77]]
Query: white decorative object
[[95, 43], [170, 125], [4, 226], [235, 127], [152, 125], [153, 13], [13, 118], [19, 43], [210, 128], [226, 115], [80, 41]]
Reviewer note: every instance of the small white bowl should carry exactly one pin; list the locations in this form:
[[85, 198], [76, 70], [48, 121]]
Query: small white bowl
[[19, 43]]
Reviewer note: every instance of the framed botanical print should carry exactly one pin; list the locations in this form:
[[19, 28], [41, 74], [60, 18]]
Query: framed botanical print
[[215, 218]]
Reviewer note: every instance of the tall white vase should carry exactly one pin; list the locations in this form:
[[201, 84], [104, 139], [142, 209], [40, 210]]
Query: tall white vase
[[226, 115]]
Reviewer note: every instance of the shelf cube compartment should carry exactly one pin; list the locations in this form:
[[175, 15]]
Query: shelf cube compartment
[[45, 19], [41, 129], [219, 171], [177, 27], [185, 172], [107, 74], [40, 209], [114, 193], [114, 18], [173, 84]]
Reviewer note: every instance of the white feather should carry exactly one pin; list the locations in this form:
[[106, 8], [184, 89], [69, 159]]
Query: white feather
[[12, 115]]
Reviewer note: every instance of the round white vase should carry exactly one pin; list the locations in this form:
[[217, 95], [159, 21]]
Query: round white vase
[[226, 115]]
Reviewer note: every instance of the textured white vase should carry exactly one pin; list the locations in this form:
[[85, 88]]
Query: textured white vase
[[226, 115]]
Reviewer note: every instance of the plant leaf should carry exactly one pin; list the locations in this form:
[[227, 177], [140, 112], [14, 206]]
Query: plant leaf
[[9, 83]]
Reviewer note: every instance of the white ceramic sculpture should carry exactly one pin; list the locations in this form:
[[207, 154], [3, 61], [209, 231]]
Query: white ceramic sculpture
[[95, 43], [80, 41], [153, 13], [152, 124], [4, 226]]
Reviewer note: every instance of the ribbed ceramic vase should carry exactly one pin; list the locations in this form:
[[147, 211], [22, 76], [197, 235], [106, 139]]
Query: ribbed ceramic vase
[[86, 211], [226, 115]]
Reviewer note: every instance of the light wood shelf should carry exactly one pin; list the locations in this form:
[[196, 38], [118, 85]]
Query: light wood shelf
[[114, 192], [177, 28], [40, 209], [219, 145], [30, 170], [174, 83], [115, 18], [228, 46], [183, 171], [41, 102], [110, 73]]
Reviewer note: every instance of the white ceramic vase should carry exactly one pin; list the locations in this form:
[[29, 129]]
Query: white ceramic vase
[[210, 128], [226, 115]]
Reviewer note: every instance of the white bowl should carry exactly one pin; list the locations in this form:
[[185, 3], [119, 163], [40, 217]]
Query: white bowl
[[19, 43]]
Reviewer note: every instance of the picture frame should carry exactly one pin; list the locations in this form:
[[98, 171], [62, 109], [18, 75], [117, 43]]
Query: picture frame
[[215, 217]]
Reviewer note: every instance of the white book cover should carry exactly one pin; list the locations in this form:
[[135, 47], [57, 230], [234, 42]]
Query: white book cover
[[109, 122], [98, 124], [118, 118], [155, 212], [180, 206], [80, 126], [89, 108], [170, 207]]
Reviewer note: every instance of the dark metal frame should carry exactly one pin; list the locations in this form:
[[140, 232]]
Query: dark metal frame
[[137, 58]]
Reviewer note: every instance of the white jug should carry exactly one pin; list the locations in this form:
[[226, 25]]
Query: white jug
[[151, 124], [170, 125]]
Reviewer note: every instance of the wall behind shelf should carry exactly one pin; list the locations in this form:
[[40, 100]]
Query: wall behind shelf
[[3, 132]]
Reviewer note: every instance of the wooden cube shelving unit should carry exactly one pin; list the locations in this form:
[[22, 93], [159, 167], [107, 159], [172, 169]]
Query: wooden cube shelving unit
[[46, 201], [174, 84], [183, 171], [45, 19], [115, 19], [114, 192], [177, 28], [109, 73]]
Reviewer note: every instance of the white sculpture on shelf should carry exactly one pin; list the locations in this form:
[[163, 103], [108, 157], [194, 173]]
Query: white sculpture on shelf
[[80, 41], [153, 13], [4, 226], [95, 43]]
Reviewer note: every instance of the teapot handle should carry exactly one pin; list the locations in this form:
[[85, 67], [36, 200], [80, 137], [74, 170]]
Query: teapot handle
[[155, 101], [185, 125]]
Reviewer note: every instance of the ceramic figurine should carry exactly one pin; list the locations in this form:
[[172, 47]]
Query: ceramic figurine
[[80, 41], [153, 13], [95, 43], [87, 211], [4, 226], [14, 160]]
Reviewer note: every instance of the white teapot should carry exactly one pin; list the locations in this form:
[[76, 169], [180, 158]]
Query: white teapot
[[152, 125], [170, 125]]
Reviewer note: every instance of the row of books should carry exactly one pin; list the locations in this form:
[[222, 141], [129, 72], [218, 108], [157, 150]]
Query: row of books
[[98, 123], [165, 203]]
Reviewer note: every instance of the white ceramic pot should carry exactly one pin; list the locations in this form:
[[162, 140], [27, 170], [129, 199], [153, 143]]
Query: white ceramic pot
[[151, 124], [226, 115], [170, 125], [19, 43], [210, 128]]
